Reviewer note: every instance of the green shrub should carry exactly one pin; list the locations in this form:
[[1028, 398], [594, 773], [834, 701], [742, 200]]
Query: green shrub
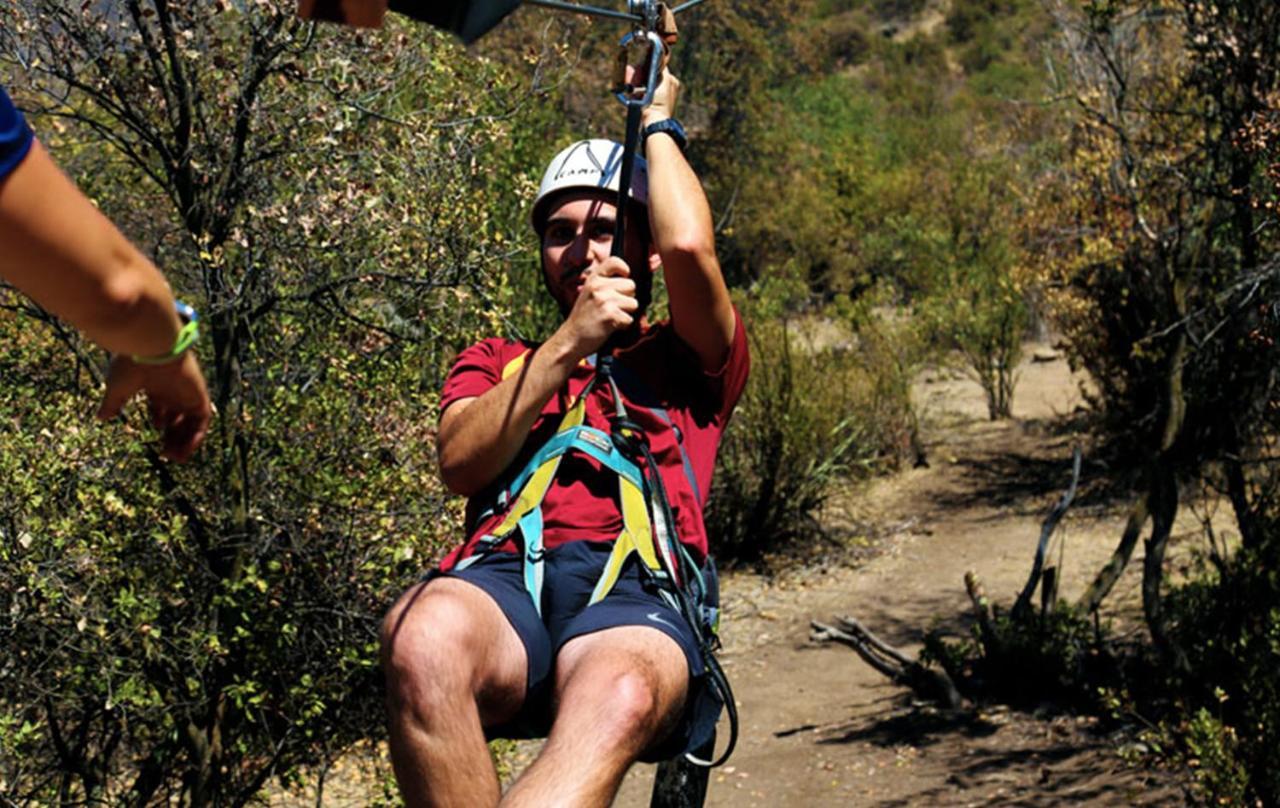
[[1228, 620], [983, 317], [815, 413], [187, 635], [1220, 776], [1028, 659], [977, 306]]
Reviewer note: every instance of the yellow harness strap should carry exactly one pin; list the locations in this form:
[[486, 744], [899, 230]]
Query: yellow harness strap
[[525, 514], [636, 537]]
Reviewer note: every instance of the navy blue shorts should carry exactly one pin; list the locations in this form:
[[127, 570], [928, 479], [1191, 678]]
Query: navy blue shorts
[[571, 573]]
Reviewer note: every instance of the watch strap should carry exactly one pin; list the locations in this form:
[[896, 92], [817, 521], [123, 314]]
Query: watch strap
[[670, 127]]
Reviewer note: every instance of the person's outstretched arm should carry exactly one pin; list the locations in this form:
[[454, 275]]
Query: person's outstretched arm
[[56, 247]]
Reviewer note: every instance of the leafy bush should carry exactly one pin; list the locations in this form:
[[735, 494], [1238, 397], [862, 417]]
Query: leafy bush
[[814, 414], [1228, 619], [1212, 756], [186, 635], [843, 41], [1028, 659]]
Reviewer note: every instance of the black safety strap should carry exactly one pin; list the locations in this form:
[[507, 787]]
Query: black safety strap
[[631, 440], [629, 148]]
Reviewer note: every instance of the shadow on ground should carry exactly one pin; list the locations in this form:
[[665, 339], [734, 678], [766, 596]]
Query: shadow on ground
[[1029, 483], [1033, 763], [916, 727]]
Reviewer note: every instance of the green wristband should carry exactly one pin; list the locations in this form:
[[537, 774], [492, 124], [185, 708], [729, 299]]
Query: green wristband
[[187, 336]]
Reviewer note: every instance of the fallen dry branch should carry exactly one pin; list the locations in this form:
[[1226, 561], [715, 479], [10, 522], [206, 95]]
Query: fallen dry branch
[[932, 685]]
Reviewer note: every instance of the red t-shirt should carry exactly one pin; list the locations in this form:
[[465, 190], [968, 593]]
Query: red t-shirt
[[582, 502]]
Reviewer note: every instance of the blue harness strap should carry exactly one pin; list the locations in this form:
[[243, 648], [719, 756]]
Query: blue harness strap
[[585, 439]]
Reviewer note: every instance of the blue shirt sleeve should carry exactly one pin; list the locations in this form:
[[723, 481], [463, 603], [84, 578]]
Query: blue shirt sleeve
[[15, 136]]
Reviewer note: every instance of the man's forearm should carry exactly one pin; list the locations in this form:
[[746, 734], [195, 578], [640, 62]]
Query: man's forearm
[[480, 437], [680, 215], [684, 235]]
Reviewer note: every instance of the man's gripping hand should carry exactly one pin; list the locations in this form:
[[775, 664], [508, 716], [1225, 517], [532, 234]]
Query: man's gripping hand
[[665, 99], [606, 304]]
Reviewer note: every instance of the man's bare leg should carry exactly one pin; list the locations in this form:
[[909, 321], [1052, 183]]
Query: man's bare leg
[[617, 692], [453, 664]]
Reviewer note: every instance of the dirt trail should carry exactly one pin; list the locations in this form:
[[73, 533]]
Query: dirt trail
[[820, 728]]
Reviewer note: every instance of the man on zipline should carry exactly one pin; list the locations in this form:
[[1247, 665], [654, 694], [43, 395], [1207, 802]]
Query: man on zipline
[[474, 650]]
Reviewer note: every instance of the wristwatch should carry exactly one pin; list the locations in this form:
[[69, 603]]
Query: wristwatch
[[670, 127]]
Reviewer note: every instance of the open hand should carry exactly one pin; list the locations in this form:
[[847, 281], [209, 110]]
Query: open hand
[[176, 397]]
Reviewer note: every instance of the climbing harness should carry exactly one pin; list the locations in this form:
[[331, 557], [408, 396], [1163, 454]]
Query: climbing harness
[[648, 521]]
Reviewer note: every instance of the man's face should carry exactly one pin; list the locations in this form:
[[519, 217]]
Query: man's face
[[579, 237]]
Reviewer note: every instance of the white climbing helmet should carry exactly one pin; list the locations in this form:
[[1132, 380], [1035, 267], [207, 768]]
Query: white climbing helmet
[[588, 165]]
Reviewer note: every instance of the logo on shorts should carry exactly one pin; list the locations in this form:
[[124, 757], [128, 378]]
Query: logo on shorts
[[657, 618], [536, 556]]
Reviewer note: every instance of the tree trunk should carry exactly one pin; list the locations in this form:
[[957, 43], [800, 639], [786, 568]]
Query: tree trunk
[[1164, 498], [1238, 493], [1109, 574]]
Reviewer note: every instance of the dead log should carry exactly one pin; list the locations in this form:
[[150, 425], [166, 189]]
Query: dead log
[[927, 683]]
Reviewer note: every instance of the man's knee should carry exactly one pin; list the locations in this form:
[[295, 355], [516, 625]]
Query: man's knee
[[628, 707], [427, 651], [628, 683], [447, 643], [634, 703]]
